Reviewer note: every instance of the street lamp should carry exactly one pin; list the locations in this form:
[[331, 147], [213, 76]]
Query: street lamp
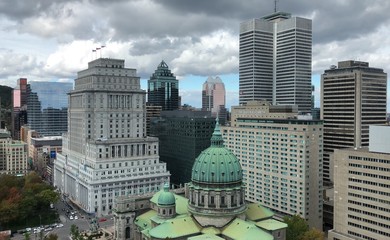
[[40, 222]]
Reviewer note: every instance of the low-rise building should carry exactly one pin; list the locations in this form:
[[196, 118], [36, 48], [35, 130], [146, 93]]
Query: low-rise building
[[13, 155]]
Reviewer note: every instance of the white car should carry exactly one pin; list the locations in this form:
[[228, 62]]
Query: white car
[[60, 225], [71, 217], [75, 217]]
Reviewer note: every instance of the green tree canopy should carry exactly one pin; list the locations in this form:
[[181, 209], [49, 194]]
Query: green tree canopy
[[24, 197], [313, 234], [297, 227]]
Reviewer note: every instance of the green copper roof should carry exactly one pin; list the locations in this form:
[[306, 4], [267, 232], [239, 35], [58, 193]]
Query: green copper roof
[[175, 228], [256, 212], [144, 221], [242, 230], [166, 198], [271, 224], [205, 237], [181, 202], [211, 230], [216, 164]]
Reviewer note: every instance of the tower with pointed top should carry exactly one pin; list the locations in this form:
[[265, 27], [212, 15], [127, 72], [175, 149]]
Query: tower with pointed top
[[163, 88]]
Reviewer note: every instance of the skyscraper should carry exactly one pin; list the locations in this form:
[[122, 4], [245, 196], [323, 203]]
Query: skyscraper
[[275, 60], [47, 107], [214, 97], [106, 152], [163, 88], [353, 96]]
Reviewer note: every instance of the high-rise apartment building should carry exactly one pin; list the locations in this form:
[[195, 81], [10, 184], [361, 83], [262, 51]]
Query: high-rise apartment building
[[183, 135], [163, 88], [47, 107], [214, 98], [106, 153], [19, 114], [275, 60], [281, 159], [362, 189], [353, 96]]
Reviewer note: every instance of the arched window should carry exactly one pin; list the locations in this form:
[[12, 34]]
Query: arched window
[[127, 233]]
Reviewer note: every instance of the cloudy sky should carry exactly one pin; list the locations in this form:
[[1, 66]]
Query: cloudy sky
[[50, 40]]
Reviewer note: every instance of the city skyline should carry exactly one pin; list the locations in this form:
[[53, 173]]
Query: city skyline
[[53, 41]]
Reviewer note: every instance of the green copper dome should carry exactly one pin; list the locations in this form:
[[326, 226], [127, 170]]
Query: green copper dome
[[166, 198], [216, 164]]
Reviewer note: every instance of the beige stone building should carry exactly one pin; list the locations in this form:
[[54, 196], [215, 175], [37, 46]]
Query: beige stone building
[[13, 155], [281, 158], [362, 190]]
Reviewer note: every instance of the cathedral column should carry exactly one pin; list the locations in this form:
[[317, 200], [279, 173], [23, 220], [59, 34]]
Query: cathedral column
[[218, 200]]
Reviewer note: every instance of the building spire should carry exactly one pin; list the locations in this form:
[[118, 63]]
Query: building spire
[[216, 139], [276, 5]]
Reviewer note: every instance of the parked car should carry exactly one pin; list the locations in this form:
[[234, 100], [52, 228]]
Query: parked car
[[102, 219]]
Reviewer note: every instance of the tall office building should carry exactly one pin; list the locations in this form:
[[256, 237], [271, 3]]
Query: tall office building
[[353, 96], [19, 114], [163, 88], [214, 98], [275, 60], [183, 135], [47, 107], [281, 158], [106, 153], [362, 189]]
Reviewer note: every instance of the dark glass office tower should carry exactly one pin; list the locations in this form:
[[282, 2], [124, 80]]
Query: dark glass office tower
[[163, 88], [183, 135], [47, 107]]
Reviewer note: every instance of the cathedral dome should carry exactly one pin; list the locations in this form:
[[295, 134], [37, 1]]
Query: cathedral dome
[[216, 164], [166, 198]]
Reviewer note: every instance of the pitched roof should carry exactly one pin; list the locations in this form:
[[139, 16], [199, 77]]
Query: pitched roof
[[174, 228], [256, 212], [271, 224], [242, 230]]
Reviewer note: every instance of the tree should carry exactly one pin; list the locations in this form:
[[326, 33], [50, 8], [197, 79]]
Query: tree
[[48, 196], [74, 233], [313, 234], [26, 236], [297, 227]]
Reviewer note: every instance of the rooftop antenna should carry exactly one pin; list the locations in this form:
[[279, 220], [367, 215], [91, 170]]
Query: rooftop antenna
[[276, 5]]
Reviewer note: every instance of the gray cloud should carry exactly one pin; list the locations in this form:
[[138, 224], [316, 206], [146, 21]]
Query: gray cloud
[[13, 63], [193, 37]]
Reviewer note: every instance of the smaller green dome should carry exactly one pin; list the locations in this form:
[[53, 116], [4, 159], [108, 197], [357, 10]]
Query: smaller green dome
[[166, 198]]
